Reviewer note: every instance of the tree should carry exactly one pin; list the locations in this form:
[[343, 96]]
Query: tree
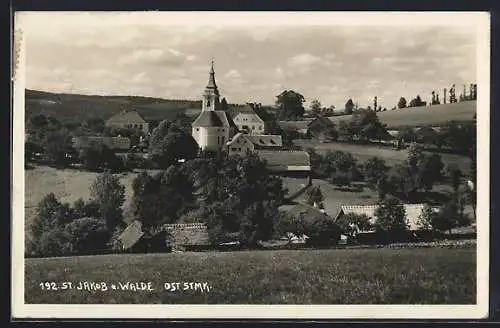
[[454, 175], [164, 197], [256, 223], [290, 105], [87, 235], [168, 144], [366, 125], [82, 209], [315, 196], [54, 242], [417, 102], [349, 107], [375, 170], [56, 145], [402, 103], [391, 216], [316, 107], [109, 194], [98, 156], [321, 230], [46, 236]]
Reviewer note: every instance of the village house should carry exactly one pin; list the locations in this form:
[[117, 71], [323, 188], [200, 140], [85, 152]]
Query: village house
[[249, 122], [320, 128], [169, 237], [241, 143], [128, 120], [413, 212]]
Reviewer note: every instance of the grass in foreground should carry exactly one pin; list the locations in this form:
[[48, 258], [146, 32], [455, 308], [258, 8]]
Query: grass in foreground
[[354, 276]]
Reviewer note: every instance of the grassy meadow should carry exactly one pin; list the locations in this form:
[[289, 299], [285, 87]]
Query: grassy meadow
[[332, 276], [428, 115], [365, 152]]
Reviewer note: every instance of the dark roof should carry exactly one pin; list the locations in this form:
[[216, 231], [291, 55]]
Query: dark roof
[[131, 235], [265, 140], [126, 117], [322, 120], [207, 119], [306, 211], [213, 118], [187, 234]]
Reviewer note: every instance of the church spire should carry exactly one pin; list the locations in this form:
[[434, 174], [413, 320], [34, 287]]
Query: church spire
[[211, 80]]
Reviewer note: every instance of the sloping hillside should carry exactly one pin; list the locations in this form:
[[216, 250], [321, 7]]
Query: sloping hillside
[[419, 116], [74, 107]]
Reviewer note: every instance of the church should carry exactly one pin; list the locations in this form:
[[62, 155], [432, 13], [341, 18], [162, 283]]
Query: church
[[214, 129]]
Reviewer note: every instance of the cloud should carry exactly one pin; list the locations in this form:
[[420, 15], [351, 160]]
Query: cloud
[[116, 54], [233, 74], [304, 59], [155, 56]]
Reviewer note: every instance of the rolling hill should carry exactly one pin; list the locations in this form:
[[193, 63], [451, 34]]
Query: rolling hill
[[420, 116], [75, 107]]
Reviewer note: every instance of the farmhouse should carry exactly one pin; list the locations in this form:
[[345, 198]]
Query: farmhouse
[[115, 143], [249, 122], [320, 128], [241, 143], [128, 120], [413, 212], [189, 236]]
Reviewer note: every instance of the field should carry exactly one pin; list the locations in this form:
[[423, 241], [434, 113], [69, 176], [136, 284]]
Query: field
[[364, 152], [420, 116], [336, 276], [68, 185]]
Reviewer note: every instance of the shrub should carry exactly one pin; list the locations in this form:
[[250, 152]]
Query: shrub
[[322, 231], [87, 235], [54, 242]]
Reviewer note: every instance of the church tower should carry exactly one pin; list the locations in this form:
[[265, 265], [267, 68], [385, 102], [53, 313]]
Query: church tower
[[211, 95]]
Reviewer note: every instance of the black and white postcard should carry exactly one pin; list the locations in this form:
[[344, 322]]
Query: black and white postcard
[[250, 165]]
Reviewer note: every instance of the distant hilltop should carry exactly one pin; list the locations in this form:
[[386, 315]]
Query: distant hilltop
[[75, 107]]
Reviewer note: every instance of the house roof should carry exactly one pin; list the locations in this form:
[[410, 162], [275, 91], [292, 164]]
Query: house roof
[[413, 212], [187, 234], [126, 117], [213, 118], [265, 140], [258, 140], [321, 120], [111, 142], [280, 158], [248, 116], [131, 235], [306, 211]]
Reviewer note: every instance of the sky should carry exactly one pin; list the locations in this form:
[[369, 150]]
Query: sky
[[167, 56]]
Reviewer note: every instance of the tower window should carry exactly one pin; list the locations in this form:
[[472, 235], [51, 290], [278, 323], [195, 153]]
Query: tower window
[[208, 103], [197, 129]]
